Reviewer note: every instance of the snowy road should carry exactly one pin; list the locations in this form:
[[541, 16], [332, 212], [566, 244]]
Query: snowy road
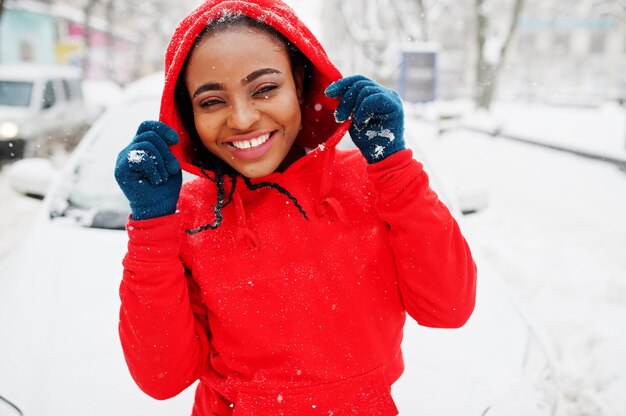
[[555, 229], [16, 214]]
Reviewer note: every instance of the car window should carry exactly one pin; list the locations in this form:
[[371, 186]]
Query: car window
[[15, 94], [49, 95], [76, 91], [67, 92], [94, 187], [72, 89], [61, 94]]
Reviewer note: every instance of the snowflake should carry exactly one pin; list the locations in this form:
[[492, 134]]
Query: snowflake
[[136, 156], [385, 133], [379, 151]]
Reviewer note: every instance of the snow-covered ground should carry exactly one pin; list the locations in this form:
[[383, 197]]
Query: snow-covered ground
[[598, 131], [554, 228], [16, 214]]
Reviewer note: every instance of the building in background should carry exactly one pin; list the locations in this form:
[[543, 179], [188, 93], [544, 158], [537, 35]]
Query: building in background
[[115, 39], [563, 51], [27, 34], [43, 33], [574, 57], [111, 51]]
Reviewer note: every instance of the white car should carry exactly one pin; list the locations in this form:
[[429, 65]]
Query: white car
[[41, 107], [99, 94], [60, 354]]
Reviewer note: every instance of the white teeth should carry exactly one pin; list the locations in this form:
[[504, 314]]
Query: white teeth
[[248, 144]]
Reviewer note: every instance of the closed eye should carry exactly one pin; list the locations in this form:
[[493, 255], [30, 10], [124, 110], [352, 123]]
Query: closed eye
[[265, 89], [209, 102]]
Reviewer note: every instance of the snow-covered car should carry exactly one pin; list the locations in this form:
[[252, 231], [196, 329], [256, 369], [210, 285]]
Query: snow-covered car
[[60, 353], [99, 94], [41, 107]]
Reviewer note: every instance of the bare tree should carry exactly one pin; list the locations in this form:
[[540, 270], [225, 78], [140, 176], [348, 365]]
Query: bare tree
[[367, 36], [149, 20], [423, 19], [88, 10], [488, 65], [407, 13], [153, 22], [110, 17], [612, 8]]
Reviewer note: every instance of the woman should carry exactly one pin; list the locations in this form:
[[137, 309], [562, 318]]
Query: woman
[[281, 276]]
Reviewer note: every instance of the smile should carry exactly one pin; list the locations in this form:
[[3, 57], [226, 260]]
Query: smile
[[250, 144]]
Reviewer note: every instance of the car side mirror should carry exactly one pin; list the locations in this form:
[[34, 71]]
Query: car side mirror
[[46, 104], [31, 177]]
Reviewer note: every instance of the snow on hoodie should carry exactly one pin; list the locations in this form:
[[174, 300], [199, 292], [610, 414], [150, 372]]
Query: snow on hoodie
[[276, 312]]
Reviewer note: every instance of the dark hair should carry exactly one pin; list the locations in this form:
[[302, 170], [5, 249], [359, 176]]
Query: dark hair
[[206, 160]]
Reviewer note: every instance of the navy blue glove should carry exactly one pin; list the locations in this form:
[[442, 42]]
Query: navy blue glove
[[148, 172], [377, 117]]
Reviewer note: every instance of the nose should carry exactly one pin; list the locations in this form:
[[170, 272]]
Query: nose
[[243, 114]]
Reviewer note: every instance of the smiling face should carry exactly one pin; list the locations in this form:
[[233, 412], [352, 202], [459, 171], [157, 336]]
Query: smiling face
[[246, 100]]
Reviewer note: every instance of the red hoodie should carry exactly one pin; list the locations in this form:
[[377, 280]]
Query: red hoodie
[[275, 313]]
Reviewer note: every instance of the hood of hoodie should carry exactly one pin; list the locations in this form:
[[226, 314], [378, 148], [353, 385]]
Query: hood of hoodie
[[318, 120]]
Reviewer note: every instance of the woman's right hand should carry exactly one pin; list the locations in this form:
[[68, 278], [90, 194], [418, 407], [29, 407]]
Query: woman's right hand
[[149, 173]]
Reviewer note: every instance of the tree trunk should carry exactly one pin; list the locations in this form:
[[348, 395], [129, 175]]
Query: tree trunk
[[487, 72], [1, 10], [110, 17], [423, 19], [482, 67], [87, 11]]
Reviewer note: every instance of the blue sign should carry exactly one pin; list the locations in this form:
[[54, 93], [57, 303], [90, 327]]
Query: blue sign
[[418, 76]]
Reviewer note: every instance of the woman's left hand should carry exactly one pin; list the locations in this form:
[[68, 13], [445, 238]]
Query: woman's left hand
[[377, 117]]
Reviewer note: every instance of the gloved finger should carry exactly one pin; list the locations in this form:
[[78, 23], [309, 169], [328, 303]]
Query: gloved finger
[[170, 162], [339, 88], [365, 113], [121, 166], [348, 102], [166, 132], [378, 106], [144, 159]]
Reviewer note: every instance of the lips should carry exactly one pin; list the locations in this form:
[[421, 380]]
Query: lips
[[251, 146]]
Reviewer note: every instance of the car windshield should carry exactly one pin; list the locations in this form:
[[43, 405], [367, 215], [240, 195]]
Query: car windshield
[[15, 94], [95, 199]]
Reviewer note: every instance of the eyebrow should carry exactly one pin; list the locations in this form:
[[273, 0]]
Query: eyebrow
[[258, 73], [211, 86], [216, 86]]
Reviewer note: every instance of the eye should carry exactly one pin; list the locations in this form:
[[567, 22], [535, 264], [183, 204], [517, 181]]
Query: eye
[[264, 89], [209, 102]]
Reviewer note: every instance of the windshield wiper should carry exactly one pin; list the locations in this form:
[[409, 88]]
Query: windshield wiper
[[89, 217], [109, 220], [8, 408]]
